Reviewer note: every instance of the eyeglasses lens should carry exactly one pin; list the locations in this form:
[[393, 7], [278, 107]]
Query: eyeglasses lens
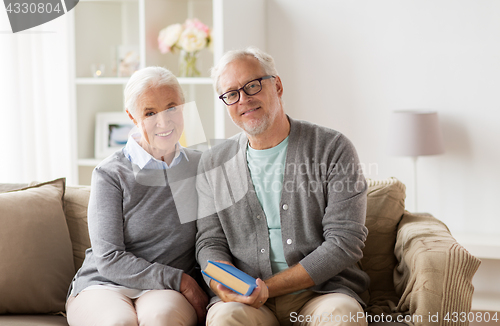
[[251, 88], [231, 97]]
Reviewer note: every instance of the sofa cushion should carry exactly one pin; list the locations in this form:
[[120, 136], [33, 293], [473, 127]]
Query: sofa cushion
[[35, 250], [384, 211], [76, 201], [5, 187], [32, 320]]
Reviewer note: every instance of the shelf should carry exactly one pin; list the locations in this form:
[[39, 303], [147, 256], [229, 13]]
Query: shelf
[[102, 81], [108, 0], [480, 245], [124, 80], [485, 301], [194, 80], [93, 162]]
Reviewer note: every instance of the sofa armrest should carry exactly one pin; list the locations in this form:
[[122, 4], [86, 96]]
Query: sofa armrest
[[434, 273]]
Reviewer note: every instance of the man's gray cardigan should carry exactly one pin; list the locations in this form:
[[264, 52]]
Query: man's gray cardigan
[[322, 210]]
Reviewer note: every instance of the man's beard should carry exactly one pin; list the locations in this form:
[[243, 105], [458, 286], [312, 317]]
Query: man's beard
[[258, 126], [255, 127]]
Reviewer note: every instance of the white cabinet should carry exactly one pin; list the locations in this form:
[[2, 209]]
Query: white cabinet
[[103, 27], [486, 280]]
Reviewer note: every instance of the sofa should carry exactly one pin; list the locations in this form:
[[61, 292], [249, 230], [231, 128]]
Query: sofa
[[418, 271]]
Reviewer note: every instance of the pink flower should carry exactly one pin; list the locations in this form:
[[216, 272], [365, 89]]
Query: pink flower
[[196, 24]]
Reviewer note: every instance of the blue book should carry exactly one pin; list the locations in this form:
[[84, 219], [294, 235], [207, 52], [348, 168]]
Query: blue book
[[231, 277]]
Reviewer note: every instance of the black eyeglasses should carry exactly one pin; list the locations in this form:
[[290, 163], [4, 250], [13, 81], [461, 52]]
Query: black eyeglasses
[[250, 88]]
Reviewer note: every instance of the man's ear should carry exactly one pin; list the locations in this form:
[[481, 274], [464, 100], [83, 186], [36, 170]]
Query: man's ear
[[279, 86], [131, 117]]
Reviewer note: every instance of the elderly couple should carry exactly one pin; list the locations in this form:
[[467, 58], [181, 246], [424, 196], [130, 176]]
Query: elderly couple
[[298, 228]]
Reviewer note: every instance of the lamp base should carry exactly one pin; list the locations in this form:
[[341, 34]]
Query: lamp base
[[415, 188]]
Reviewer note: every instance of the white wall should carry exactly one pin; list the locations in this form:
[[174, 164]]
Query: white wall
[[237, 24], [347, 64]]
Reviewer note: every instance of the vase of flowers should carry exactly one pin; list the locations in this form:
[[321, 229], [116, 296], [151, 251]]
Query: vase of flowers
[[187, 64], [189, 38]]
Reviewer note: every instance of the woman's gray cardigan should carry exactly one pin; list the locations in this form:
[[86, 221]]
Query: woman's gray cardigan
[[138, 239]]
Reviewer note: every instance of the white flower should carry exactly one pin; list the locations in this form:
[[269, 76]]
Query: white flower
[[168, 37], [193, 39]]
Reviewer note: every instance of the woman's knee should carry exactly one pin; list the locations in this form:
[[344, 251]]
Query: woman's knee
[[168, 316], [165, 307], [100, 308], [107, 320]]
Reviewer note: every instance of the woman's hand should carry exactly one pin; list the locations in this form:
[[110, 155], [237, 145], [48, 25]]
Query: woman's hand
[[195, 295], [257, 299]]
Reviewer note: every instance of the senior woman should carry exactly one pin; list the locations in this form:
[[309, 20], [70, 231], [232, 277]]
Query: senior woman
[[140, 269]]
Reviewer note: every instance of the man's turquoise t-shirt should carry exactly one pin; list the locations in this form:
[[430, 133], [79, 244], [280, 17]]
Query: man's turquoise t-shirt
[[267, 168]]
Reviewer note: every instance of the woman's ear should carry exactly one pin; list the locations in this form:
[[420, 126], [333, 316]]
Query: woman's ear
[[131, 117]]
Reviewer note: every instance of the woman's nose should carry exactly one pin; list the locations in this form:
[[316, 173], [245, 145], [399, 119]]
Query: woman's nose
[[163, 118]]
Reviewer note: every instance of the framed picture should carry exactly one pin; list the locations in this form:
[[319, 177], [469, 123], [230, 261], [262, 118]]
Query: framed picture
[[111, 132]]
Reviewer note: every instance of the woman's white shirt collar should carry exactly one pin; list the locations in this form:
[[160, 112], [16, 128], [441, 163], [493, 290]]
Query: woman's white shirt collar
[[138, 155]]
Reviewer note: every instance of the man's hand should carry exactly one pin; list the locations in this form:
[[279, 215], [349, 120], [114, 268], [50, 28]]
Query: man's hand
[[257, 299], [194, 295]]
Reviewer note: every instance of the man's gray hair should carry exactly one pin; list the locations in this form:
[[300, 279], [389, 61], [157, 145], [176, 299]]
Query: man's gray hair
[[148, 78], [265, 60]]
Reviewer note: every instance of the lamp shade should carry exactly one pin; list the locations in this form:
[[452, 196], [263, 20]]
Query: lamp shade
[[415, 133]]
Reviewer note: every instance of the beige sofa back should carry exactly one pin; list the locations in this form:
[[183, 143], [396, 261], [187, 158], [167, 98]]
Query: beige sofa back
[[76, 200], [384, 212], [36, 256]]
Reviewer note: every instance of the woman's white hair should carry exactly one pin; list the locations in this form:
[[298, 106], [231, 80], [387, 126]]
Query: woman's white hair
[[265, 61], [147, 78]]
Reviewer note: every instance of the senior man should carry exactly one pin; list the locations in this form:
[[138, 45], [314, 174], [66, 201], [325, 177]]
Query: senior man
[[284, 201]]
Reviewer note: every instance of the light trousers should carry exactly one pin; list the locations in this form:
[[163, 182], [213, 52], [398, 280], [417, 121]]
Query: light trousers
[[110, 308], [306, 308]]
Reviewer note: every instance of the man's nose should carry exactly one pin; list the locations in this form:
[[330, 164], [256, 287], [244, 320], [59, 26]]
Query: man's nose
[[243, 96]]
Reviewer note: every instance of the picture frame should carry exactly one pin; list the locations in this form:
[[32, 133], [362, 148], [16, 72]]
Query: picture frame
[[111, 132]]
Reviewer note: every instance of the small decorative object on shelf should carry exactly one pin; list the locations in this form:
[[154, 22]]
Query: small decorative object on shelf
[[190, 38], [97, 70], [128, 60]]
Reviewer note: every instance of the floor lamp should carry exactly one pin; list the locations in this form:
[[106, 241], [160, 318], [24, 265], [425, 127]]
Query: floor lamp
[[415, 133]]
